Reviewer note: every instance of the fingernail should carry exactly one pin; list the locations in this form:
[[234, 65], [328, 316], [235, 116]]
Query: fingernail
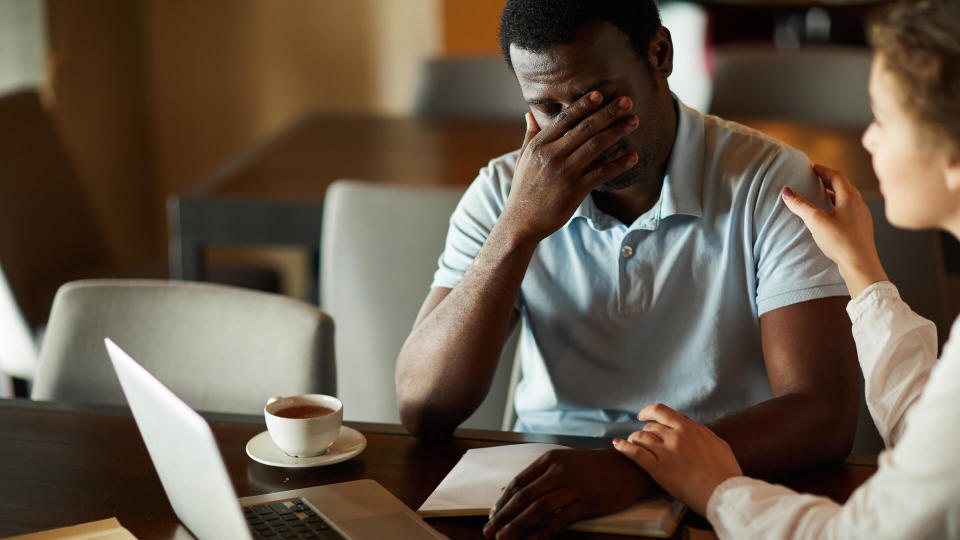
[[617, 441], [633, 158], [788, 193], [595, 96], [624, 103], [633, 121]]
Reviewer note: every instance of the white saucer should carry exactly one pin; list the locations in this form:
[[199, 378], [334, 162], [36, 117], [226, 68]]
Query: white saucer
[[349, 443]]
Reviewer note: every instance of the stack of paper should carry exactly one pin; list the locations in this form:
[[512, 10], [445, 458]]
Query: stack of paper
[[475, 483]]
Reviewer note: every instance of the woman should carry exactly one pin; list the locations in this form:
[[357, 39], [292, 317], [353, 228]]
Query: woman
[[914, 399]]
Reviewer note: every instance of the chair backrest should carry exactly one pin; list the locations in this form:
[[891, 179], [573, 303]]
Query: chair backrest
[[914, 263], [468, 87], [49, 229], [824, 85], [219, 348], [18, 350], [378, 255]]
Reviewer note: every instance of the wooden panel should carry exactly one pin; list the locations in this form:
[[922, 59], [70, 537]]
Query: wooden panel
[[470, 27], [96, 53]]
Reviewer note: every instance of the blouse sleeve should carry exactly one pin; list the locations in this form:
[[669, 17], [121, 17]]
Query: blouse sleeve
[[897, 349], [915, 492]]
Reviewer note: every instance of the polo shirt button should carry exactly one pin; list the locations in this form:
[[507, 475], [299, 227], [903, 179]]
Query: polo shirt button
[[626, 251]]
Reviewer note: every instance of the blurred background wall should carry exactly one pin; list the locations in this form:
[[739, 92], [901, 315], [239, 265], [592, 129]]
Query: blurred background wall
[[223, 74], [96, 89], [151, 95], [470, 27]]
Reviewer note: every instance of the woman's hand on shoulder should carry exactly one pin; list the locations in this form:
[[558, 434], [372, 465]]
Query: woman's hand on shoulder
[[845, 234]]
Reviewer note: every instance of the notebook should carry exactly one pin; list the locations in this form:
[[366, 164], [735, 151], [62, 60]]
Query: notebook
[[474, 484], [194, 477]]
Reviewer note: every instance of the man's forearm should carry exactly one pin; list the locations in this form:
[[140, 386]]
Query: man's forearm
[[447, 363], [788, 434]]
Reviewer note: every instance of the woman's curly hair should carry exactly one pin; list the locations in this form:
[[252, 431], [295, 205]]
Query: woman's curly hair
[[919, 42]]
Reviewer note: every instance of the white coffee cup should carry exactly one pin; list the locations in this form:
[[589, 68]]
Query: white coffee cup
[[304, 425]]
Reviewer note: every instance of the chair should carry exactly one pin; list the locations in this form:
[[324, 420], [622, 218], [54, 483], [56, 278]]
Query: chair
[[379, 252], [469, 87], [219, 348], [18, 350], [914, 263], [824, 85]]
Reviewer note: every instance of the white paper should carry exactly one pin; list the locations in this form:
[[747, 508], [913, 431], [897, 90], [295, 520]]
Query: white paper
[[475, 483], [105, 529]]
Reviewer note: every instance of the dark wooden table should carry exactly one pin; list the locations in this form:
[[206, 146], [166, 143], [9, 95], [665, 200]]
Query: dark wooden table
[[63, 464], [272, 194]]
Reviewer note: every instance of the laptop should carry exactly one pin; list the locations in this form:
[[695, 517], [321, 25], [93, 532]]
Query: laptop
[[195, 479]]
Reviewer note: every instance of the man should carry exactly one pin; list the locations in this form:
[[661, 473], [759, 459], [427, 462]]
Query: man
[[645, 250]]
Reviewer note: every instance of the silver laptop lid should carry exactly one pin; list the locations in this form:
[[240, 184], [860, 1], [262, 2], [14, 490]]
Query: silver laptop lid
[[183, 451]]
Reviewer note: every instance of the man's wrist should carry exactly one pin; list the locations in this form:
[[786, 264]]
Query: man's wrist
[[515, 235], [642, 483]]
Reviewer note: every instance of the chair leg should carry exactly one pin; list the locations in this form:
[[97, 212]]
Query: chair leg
[[21, 387]]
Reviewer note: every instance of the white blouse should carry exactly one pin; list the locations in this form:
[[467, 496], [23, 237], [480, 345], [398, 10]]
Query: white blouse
[[915, 492]]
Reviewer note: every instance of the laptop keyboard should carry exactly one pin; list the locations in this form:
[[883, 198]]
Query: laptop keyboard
[[286, 520]]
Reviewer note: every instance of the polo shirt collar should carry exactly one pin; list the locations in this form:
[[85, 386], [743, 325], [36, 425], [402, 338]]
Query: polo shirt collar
[[595, 217], [682, 184]]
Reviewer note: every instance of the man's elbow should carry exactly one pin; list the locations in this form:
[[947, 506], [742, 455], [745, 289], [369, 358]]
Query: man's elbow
[[423, 420], [841, 444], [838, 423], [418, 411]]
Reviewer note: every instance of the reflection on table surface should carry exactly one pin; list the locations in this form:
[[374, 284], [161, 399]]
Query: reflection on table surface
[[63, 464]]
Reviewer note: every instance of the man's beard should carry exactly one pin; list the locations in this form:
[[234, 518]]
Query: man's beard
[[629, 177]]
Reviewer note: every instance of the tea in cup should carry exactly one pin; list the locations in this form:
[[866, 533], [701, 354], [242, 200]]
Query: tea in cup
[[304, 425]]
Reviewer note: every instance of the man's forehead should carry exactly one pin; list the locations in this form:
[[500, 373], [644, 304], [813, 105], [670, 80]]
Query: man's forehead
[[561, 90], [535, 66], [597, 54], [556, 76], [594, 41]]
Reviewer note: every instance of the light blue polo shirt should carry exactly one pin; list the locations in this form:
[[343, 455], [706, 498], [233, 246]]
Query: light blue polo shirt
[[615, 317]]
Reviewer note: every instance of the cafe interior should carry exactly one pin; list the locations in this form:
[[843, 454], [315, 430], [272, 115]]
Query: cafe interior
[[174, 171]]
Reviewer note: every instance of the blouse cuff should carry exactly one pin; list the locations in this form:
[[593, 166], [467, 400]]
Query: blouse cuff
[[870, 297], [716, 498]]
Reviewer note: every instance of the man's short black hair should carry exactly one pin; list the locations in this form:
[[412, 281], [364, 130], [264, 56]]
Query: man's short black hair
[[538, 25]]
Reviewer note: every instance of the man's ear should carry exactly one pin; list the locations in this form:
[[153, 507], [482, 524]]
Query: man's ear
[[661, 54]]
